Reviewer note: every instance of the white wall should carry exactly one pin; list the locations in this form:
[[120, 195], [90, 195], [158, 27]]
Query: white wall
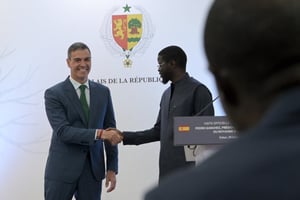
[[34, 38]]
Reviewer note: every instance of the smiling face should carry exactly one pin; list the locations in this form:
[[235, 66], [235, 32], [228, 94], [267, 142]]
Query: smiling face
[[79, 63]]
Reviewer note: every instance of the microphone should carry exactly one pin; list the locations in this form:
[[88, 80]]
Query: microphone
[[203, 109]]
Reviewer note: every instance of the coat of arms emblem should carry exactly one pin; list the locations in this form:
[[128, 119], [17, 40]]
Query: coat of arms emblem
[[127, 31]]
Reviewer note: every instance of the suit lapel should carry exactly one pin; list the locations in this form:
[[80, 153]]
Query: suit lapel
[[73, 98], [93, 102]]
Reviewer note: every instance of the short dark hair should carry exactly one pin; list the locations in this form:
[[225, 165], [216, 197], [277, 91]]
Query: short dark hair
[[254, 40], [75, 46], [174, 53]]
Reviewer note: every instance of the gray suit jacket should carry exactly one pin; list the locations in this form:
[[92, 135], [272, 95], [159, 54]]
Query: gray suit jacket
[[189, 97], [73, 137]]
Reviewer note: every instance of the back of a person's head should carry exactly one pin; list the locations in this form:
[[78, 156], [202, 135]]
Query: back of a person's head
[[254, 39]]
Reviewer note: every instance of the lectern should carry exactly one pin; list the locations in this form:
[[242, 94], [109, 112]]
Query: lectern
[[202, 135]]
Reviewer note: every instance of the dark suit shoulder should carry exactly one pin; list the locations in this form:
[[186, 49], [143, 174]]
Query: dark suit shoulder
[[194, 82], [63, 85], [99, 89], [187, 84], [98, 85]]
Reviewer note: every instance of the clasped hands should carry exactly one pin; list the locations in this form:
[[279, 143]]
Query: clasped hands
[[113, 135]]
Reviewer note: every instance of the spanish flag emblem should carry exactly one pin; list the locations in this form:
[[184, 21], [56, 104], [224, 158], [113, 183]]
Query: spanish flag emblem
[[184, 128]]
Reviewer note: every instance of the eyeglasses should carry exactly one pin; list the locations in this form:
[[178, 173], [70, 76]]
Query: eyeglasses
[[160, 64]]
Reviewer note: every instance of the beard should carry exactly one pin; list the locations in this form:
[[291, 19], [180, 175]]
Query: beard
[[164, 78]]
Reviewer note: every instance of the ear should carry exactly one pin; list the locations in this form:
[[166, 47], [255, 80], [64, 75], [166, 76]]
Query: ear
[[68, 61], [172, 62]]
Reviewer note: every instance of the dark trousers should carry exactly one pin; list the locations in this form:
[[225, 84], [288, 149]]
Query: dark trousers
[[86, 187]]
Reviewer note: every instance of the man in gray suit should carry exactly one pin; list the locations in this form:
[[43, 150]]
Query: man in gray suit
[[253, 48], [75, 164], [186, 96]]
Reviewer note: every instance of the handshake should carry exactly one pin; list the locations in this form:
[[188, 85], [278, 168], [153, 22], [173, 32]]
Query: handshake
[[113, 135]]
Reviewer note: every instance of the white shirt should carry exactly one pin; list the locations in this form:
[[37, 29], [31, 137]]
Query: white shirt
[[87, 90]]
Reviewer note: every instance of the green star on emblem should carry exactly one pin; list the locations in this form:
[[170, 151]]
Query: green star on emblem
[[126, 8]]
